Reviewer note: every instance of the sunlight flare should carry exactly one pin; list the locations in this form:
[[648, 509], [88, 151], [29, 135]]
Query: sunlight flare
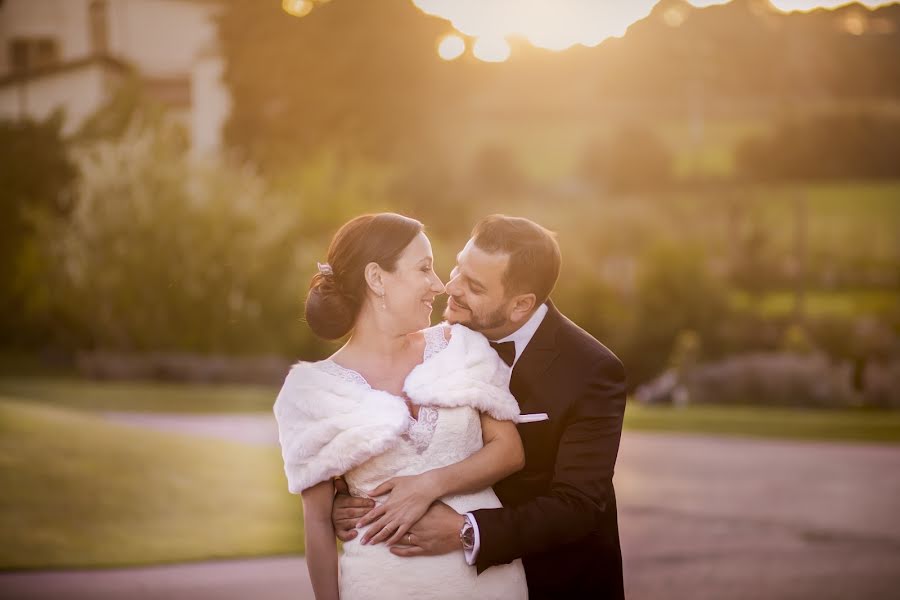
[[451, 47], [491, 49], [560, 24], [297, 8]]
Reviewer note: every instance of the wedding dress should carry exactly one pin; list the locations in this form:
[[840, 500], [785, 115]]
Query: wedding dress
[[331, 422]]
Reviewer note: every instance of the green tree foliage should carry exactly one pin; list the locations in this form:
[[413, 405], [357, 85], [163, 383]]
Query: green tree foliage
[[675, 292], [163, 253], [746, 49], [495, 172], [634, 160], [36, 177], [353, 75], [833, 146]]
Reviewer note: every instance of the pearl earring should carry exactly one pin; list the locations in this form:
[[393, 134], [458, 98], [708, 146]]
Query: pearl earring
[[383, 305]]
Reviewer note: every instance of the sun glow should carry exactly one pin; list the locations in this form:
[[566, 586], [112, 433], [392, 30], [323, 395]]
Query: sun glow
[[561, 24], [491, 49], [451, 46], [297, 8]]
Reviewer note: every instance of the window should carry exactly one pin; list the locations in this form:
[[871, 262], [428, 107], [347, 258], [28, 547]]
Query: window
[[31, 54]]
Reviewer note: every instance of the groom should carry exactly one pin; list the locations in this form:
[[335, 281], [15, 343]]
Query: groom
[[559, 512]]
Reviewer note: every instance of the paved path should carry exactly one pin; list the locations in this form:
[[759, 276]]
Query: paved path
[[700, 517], [246, 428], [254, 579], [706, 517]]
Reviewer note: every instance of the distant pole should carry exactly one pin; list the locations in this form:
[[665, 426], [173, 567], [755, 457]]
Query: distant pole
[[800, 233], [23, 96]]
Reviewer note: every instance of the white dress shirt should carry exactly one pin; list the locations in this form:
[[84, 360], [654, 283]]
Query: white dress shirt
[[520, 337]]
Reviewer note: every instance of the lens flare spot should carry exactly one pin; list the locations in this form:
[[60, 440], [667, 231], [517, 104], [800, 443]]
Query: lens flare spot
[[297, 8], [491, 49], [451, 47]]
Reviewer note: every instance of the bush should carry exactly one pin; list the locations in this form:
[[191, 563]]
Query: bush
[[882, 384], [675, 292], [781, 379], [36, 180], [163, 253], [826, 147], [634, 160]]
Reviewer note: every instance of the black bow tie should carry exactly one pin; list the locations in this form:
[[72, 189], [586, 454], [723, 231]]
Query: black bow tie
[[506, 350]]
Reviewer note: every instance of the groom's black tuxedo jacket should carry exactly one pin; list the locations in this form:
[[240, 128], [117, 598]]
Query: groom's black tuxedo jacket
[[559, 512]]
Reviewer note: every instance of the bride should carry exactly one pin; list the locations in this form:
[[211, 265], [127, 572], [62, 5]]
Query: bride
[[421, 412]]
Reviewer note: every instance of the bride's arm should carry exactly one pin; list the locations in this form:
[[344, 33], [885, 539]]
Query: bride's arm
[[501, 456], [321, 551]]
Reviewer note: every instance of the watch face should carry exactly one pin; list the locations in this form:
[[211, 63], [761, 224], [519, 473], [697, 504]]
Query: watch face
[[468, 536]]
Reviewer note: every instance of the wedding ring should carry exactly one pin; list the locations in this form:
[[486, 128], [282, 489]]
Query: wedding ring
[[409, 539]]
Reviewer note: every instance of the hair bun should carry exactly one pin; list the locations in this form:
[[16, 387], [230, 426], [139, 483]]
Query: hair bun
[[329, 313], [337, 292]]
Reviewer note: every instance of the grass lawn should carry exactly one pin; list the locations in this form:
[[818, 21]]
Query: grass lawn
[[818, 303], [81, 492], [149, 396], [769, 422]]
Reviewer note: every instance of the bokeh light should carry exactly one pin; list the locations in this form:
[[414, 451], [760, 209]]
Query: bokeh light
[[297, 8], [491, 49], [451, 47]]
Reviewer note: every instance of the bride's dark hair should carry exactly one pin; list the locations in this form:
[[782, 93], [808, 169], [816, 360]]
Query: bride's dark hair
[[336, 295]]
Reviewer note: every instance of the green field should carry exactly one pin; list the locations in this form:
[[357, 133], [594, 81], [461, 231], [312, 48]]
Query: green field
[[81, 492], [551, 149], [149, 396], [880, 426], [819, 303]]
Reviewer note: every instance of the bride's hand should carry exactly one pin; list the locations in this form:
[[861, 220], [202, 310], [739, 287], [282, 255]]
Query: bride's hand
[[409, 500]]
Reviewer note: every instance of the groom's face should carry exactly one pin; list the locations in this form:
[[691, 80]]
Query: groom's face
[[477, 298]]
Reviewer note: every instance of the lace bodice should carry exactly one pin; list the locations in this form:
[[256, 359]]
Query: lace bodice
[[419, 431]]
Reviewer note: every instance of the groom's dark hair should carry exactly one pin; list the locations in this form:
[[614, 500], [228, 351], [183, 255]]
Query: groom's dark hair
[[534, 257]]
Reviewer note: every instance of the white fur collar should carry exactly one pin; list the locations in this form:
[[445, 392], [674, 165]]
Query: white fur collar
[[328, 425], [467, 372]]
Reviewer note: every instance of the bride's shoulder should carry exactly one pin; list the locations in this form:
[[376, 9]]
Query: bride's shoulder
[[446, 335], [439, 336], [459, 330], [436, 332], [312, 374]]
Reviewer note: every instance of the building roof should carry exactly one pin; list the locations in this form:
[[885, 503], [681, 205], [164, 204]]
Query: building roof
[[108, 62]]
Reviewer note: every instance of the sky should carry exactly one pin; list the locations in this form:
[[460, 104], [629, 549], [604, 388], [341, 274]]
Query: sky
[[558, 24]]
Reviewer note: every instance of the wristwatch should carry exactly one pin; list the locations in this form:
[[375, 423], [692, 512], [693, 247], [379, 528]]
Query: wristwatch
[[467, 535]]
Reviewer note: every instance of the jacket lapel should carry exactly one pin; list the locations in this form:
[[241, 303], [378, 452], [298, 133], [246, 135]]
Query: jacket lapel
[[538, 355]]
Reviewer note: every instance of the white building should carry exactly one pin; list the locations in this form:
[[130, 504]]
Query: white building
[[72, 54]]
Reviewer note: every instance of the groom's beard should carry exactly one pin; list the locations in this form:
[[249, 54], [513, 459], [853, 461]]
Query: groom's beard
[[482, 322]]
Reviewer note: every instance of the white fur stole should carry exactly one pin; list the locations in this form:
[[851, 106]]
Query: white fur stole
[[328, 425]]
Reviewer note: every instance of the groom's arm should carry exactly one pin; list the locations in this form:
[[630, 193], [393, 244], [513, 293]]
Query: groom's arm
[[579, 491]]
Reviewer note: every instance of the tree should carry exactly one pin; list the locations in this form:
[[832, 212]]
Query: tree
[[823, 147], [36, 179], [354, 75], [164, 253], [675, 293], [635, 159]]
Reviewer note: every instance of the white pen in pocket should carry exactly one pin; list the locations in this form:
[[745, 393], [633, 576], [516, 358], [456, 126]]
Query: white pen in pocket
[[532, 418]]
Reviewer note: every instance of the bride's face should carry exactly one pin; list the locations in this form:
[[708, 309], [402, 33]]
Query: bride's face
[[410, 290]]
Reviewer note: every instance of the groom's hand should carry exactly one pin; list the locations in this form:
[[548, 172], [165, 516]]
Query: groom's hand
[[435, 533], [346, 511]]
